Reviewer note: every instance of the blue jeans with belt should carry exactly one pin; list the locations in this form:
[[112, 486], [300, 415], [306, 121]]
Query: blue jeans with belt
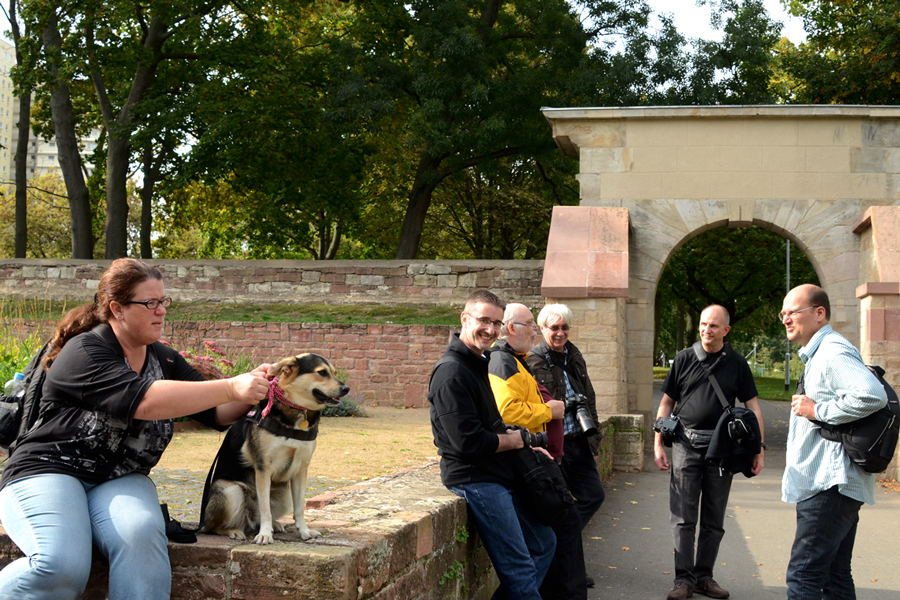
[[823, 546], [520, 549], [55, 520]]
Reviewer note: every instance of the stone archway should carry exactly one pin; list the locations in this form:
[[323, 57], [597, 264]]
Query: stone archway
[[827, 178]]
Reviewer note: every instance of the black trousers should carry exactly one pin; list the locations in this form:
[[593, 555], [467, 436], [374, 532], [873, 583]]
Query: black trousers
[[566, 578]]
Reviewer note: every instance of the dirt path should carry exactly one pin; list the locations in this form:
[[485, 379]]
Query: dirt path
[[350, 448]]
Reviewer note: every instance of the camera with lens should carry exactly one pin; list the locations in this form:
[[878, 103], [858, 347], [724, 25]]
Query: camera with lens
[[577, 405], [531, 440], [668, 427]]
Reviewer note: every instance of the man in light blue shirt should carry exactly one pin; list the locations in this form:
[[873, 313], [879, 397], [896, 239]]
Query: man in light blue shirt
[[819, 476]]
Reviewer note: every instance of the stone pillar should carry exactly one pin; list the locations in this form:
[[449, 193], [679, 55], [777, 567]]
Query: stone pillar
[[587, 269], [879, 337]]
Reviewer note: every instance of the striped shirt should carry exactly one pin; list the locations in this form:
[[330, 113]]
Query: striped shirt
[[844, 390]]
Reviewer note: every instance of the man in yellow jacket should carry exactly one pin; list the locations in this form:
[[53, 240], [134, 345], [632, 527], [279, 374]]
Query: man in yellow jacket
[[515, 390]]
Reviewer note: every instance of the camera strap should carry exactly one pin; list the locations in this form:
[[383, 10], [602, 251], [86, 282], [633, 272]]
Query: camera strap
[[701, 354]]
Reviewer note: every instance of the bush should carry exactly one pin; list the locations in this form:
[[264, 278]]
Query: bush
[[347, 407]]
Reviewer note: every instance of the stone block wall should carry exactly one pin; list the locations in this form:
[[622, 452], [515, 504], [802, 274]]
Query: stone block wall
[[289, 281]]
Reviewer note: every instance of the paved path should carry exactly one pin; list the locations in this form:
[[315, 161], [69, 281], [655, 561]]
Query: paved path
[[628, 544]]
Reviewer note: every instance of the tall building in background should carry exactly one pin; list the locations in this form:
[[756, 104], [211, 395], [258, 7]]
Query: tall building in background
[[42, 157], [7, 118]]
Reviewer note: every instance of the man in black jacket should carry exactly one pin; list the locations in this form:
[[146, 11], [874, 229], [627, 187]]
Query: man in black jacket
[[471, 441]]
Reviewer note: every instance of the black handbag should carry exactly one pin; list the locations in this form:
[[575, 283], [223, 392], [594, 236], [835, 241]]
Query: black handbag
[[540, 486]]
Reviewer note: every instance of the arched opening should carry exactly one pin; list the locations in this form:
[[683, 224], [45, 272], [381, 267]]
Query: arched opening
[[742, 269]]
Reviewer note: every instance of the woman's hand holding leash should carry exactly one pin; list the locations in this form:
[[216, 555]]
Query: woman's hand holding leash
[[249, 388]]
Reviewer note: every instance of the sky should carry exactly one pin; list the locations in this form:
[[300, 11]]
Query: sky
[[693, 21]]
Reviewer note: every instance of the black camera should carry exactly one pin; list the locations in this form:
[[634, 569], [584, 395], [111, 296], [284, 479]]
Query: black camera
[[668, 427], [531, 440], [577, 405]]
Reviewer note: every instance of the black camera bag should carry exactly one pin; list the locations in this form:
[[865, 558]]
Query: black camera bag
[[540, 486]]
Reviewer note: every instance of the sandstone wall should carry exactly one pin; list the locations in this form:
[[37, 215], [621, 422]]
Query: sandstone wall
[[289, 281]]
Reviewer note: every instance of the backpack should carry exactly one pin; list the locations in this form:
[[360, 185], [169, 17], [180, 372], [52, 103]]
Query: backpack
[[870, 442], [17, 422]]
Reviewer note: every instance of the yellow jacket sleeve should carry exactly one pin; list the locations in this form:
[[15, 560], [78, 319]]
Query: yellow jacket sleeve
[[519, 400]]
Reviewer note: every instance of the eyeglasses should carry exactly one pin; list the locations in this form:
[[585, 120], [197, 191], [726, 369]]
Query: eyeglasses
[[557, 327], [790, 313], [485, 321], [533, 326], [152, 303]]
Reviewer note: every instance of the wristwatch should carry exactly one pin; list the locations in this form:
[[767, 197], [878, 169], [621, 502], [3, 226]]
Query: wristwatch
[[763, 446]]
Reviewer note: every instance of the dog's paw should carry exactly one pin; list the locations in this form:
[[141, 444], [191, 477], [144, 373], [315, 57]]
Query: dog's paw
[[236, 534], [278, 526], [263, 538], [307, 533]]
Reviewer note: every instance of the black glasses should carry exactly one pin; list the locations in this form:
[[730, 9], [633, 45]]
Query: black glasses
[[152, 303], [790, 313], [485, 321], [558, 327]]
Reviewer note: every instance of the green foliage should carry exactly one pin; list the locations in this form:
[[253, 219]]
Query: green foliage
[[742, 269], [15, 352], [462, 534], [453, 573], [851, 55], [347, 407], [772, 388]]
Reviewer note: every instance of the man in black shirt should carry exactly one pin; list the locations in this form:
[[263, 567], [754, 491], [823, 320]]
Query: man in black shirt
[[473, 443], [698, 408]]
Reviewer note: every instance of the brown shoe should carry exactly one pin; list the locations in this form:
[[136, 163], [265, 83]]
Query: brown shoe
[[680, 591], [711, 588]]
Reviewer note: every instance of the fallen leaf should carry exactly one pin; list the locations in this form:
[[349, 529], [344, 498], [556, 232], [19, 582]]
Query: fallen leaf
[[612, 567], [596, 538], [645, 528], [626, 548], [632, 501], [628, 483], [667, 572], [873, 580], [759, 564]]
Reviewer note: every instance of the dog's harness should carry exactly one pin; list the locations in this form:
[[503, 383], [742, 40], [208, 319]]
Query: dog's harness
[[260, 416]]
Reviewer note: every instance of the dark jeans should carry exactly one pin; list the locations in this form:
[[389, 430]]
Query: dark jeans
[[566, 578], [520, 549], [819, 568], [696, 487]]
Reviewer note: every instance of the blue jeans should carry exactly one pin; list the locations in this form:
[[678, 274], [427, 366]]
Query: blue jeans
[[519, 548], [55, 519], [696, 488], [819, 568]]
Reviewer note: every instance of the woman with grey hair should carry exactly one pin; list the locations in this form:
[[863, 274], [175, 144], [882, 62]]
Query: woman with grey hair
[[559, 366]]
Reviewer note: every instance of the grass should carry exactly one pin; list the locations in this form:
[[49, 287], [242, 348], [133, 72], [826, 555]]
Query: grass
[[772, 388], [769, 388], [291, 313]]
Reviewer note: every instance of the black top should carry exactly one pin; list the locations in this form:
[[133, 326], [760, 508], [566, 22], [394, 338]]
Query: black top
[[687, 383], [464, 419], [87, 427]]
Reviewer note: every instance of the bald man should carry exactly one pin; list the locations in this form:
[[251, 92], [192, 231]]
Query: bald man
[[688, 393], [819, 477]]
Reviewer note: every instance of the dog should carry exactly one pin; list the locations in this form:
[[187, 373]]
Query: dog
[[260, 471]]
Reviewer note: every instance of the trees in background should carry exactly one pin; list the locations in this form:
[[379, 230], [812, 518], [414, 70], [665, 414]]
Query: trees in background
[[741, 269], [328, 128]]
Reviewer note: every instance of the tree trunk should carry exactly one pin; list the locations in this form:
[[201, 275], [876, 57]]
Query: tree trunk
[[21, 161], [147, 202], [419, 201], [63, 117], [24, 127], [117, 197]]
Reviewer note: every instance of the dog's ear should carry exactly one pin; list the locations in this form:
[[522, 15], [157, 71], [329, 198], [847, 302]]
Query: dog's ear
[[286, 370]]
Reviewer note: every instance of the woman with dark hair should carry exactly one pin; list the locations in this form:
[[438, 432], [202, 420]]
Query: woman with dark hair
[[81, 476]]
